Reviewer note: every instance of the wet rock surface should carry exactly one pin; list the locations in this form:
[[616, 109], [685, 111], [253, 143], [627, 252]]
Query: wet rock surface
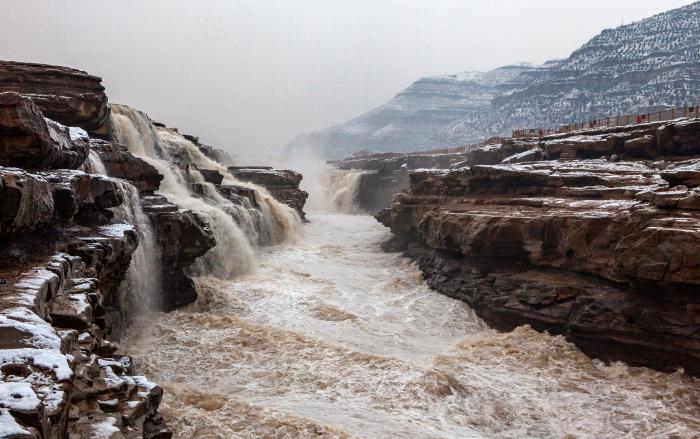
[[69, 96], [120, 163], [28, 139], [182, 236], [82, 224], [60, 376], [283, 184], [604, 252]]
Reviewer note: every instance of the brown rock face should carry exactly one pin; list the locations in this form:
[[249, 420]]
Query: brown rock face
[[69, 96], [29, 140], [182, 236], [603, 252], [30, 201], [389, 174], [120, 163], [282, 184]]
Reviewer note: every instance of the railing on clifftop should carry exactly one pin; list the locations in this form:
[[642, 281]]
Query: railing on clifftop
[[614, 121]]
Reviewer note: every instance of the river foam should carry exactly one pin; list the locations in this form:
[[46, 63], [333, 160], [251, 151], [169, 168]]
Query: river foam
[[330, 337]]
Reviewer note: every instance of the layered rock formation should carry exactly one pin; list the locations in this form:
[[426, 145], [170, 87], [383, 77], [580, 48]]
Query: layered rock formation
[[120, 163], [68, 96], [88, 241], [283, 184], [182, 237], [77, 214], [387, 174], [27, 139], [62, 261], [602, 248], [62, 264]]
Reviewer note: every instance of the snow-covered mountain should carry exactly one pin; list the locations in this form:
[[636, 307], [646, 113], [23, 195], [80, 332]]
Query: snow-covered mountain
[[645, 66]]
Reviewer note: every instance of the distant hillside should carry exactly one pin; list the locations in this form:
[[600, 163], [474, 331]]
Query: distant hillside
[[640, 67]]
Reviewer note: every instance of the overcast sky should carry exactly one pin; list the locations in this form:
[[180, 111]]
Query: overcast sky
[[249, 75]]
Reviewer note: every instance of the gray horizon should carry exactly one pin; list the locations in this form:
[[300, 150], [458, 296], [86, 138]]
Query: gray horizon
[[250, 76]]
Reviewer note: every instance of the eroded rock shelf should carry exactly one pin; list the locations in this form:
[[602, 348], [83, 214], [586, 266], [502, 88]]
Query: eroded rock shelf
[[77, 210], [602, 247]]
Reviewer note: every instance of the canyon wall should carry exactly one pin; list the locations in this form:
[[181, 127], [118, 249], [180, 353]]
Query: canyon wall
[[385, 175], [594, 235], [106, 216]]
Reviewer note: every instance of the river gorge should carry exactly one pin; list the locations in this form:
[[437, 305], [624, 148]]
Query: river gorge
[[153, 287], [332, 337]]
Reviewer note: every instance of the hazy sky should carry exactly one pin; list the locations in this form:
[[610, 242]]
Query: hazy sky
[[249, 75]]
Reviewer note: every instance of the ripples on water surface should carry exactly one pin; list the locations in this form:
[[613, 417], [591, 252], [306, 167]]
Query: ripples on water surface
[[330, 337]]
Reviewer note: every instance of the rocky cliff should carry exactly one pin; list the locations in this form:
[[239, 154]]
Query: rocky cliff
[[594, 235], [282, 184], [89, 242], [68, 96], [641, 67], [387, 174]]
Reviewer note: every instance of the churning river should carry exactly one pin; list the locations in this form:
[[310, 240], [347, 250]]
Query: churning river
[[331, 337]]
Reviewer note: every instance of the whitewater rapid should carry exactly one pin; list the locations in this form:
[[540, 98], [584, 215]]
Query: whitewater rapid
[[331, 337]]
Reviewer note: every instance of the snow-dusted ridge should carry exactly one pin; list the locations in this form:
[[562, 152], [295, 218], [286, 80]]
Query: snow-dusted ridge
[[641, 67]]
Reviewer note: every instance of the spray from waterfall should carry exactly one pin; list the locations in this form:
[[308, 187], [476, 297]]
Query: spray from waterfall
[[237, 228]]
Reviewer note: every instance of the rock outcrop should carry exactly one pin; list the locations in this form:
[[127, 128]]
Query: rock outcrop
[[27, 139], [602, 250], [87, 242], [388, 174], [65, 250], [68, 96], [283, 184], [182, 237], [120, 163]]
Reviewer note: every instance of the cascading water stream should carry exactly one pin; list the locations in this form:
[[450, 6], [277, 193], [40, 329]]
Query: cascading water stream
[[141, 289], [343, 189], [331, 337], [143, 281], [237, 229], [93, 164]]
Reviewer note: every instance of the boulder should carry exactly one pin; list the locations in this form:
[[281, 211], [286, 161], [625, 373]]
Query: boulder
[[679, 138], [71, 97], [29, 140], [283, 185], [212, 176], [182, 236], [120, 163]]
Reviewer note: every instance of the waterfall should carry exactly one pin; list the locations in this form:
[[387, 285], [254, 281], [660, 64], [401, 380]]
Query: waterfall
[[93, 164], [142, 288], [237, 229], [342, 190]]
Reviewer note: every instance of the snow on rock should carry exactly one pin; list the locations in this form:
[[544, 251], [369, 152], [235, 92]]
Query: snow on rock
[[9, 426], [46, 359], [19, 397]]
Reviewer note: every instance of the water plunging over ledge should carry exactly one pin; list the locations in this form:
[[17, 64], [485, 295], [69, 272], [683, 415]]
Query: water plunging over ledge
[[331, 337]]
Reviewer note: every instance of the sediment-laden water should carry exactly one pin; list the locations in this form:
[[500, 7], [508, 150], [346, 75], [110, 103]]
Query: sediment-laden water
[[331, 337]]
